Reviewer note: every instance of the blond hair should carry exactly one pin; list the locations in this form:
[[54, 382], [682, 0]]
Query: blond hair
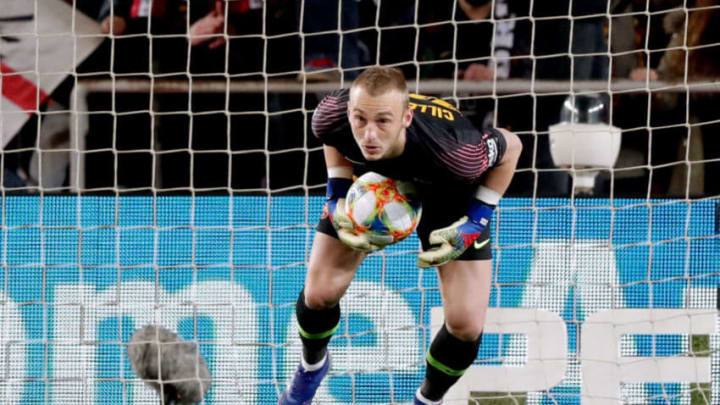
[[378, 80]]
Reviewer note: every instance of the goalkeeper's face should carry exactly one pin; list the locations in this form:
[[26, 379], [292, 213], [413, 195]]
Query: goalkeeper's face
[[378, 122]]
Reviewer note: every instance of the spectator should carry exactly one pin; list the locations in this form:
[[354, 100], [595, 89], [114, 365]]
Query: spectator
[[588, 38], [322, 51], [631, 31], [220, 35], [225, 46], [203, 46], [209, 29], [702, 41], [512, 38], [638, 40], [510, 57], [125, 21], [622, 41], [450, 39]]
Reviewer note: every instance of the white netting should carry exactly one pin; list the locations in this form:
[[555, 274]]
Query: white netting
[[158, 167]]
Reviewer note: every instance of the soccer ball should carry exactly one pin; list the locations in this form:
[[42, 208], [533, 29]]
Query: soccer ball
[[379, 206]]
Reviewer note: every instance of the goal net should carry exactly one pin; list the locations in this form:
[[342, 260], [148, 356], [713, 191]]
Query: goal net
[[159, 168]]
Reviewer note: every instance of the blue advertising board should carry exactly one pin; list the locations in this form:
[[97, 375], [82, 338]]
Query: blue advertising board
[[81, 273]]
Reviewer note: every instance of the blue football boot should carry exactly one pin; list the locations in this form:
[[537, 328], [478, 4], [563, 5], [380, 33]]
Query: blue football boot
[[301, 389]]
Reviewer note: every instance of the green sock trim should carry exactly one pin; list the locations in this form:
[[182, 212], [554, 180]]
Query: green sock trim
[[445, 369], [321, 335]]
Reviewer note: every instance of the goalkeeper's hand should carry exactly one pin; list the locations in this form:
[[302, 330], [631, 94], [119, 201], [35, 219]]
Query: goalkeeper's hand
[[348, 234], [337, 189], [456, 238]]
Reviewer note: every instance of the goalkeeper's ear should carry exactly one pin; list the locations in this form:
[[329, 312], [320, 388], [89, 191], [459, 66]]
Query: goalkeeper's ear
[[407, 116]]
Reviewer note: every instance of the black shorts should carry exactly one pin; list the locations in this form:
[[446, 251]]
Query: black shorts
[[441, 212]]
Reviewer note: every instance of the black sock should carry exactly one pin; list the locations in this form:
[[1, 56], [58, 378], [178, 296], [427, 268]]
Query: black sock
[[316, 328], [447, 360]]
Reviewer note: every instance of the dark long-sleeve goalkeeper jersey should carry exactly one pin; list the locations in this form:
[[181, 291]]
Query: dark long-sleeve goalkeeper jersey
[[442, 149]]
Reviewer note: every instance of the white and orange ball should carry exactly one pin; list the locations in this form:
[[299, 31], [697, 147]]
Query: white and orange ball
[[381, 206]]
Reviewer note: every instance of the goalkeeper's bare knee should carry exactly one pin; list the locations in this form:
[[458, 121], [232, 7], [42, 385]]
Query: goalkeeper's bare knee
[[467, 326], [321, 296], [325, 288]]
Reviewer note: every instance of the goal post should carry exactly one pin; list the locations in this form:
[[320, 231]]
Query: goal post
[[184, 190]]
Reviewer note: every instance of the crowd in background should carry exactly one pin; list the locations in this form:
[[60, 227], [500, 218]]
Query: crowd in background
[[257, 141]]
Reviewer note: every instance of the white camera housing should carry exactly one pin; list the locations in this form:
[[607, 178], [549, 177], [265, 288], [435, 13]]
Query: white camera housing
[[585, 149]]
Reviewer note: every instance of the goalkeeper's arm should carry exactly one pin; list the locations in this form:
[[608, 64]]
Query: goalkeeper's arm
[[454, 239], [340, 178], [498, 178]]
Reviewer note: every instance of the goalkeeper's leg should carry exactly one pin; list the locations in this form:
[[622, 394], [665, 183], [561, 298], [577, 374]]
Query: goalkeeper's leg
[[331, 269], [465, 289]]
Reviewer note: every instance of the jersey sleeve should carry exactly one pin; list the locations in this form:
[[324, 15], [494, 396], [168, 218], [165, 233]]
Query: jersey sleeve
[[330, 116], [468, 160]]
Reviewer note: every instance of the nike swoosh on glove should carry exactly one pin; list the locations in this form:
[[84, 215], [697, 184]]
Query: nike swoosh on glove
[[454, 240]]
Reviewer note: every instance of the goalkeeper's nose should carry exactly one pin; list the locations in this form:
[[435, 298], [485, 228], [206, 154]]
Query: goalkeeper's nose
[[370, 134]]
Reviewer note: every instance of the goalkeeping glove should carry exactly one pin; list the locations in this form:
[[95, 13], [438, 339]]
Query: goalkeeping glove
[[337, 189], [348, 235], [456, 238]]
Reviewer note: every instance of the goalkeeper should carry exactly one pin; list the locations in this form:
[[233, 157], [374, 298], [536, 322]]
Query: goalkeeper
[[461, 173]]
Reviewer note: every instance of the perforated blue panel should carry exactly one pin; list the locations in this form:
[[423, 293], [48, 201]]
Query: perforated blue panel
[[80, 274]]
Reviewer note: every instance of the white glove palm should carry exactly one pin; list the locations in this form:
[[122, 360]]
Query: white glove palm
[[455, 239], [451, 246], [348, 235]]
